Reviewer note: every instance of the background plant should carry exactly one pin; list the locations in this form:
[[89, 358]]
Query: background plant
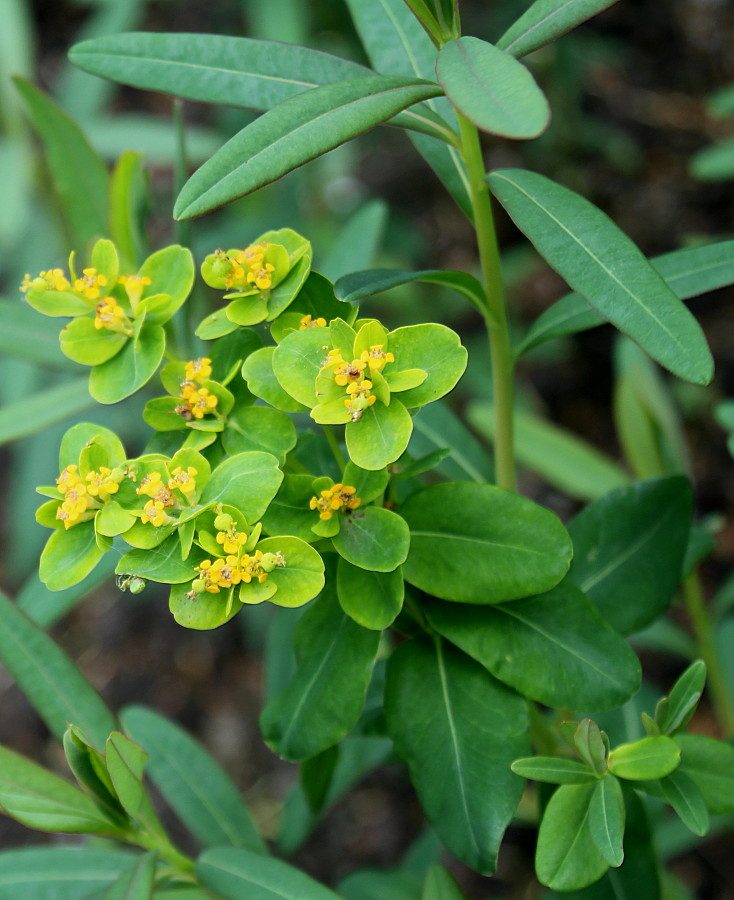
[[645, 452]]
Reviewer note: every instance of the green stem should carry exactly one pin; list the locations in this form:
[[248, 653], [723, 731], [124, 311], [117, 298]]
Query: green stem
[[164, 848], [495, 312], [703, 630], [335, 448]]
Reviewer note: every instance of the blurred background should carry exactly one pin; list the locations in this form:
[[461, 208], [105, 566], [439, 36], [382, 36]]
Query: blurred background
[[643, 125]]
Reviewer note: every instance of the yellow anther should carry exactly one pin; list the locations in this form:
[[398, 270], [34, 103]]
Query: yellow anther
[[68, 478], [90, 284], [221, 573], [109, 314], [340, 496], [198, 370], [150, 485], [154, 512], [201, 402], [183, 480], [308, 322], [51, 280]]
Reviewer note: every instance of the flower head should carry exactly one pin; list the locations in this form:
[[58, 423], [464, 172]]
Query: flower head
[[376, 358], [109, 314], [308, 322], [90, 284], [184, 481], [134, 286], [154, 512], [198, 370], [51, 280], [102, 483], [340, 496]]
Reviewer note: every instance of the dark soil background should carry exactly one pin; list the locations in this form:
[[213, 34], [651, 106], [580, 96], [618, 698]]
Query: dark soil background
[[629, 94]]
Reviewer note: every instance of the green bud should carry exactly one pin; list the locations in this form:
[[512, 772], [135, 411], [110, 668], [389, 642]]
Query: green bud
[[224, 522], [198, 585]]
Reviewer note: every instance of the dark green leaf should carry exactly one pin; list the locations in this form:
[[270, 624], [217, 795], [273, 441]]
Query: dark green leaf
[[477, 543], [372, 599], [554, 770], [192, 782], [136, 882], [296, 131], [547, 20], [440, 885], [606, 820], [316, 776], [259, 428], [326, 695], [436, 426], [601, 263], [74, 872], [710, 764], [681, 791], [458, 730], [684, 697], [357, 285], [628, 549]]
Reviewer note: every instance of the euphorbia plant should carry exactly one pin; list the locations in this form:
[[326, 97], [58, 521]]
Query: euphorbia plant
[[502, 620]]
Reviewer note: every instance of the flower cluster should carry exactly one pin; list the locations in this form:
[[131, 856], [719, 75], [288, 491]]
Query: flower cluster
[[223, 573], [52, 280], [340, 496], [198, 401], [309, 322], [81, 501], [241, 269], [162, 497]]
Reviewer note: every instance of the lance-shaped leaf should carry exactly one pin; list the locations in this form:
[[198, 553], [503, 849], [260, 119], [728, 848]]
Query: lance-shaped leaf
[[547, 20], [710, 764], [628, 547], [684, 795], [297, 130], [554, 770], [234, 873], [357, 285], [606, 820], [492, 89], [458, 730], [73, 871], [688, 272], [440, 885], [136, 882], [481, 544], [603, 265], [553, 648], [192, 781], [327, 692], [679, 706]]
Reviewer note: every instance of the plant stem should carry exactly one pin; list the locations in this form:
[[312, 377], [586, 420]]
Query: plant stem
[[704, 633], [335, 448], [495, 313]]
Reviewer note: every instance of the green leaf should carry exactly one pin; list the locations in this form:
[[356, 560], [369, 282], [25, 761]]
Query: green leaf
[[325, 697], [440, 885], [289, 512], [547, 20], [682, 793], [458, 730], [52, 683], [25, 336], [171, 271], [684, 697], [492, 89], [39, 799], [373, 538], [436, 427], [248, 481], [710, 764], [73, 871], [82, 342], [44, 409], [477, 543], [79, 175], [369, 485], [300, 580], [372, 599], [86, 434], [554, 770], [715, 162], [316, 775], [589, 743], [380, 436], [125, 762], [553, 648], [357, 285], [646, 759], [431, 347], [257, 370], [71, 555], [297, 361], [606, 820], [162, 563], [131, 368], [296, 131], [688, 272], [259, 428], [237, 873], [136, 882], [630, 544], [128, 199], [88, 767], [601, 263], [566, 858], [192, 782], [560, 457]]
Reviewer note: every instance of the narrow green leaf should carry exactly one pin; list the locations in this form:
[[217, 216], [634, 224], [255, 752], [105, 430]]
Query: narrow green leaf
[[492, 89], [553, 648], [606, 820], [589, 743], [192, 782], [74, 872], [688, 272], [554, 770], [563, 459], [136, 882], [566, 858], [646, 759], [436, 428], [710, 763], [516, 547], [357, 285], [79, 175], [440, 885], [681, 791], [39, 411], [294, 132], [715, 162], [326, 695], [684, 697], [547, 20], [235, 873], [128, 198], [477, 727], [630, 543], [600, 262]]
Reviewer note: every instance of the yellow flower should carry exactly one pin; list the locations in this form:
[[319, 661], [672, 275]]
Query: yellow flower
[[102, 483], [308, 322], [376, 358], [198, 369], [109, 314], [183, 481], [134, 286], [68, 478], [201, 402], [252, 567], [90, 284], [221, 573], [51, 280], [348, 373], [150, 485], [154, 512], [340, 496], [232, 540], [360, 398]]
